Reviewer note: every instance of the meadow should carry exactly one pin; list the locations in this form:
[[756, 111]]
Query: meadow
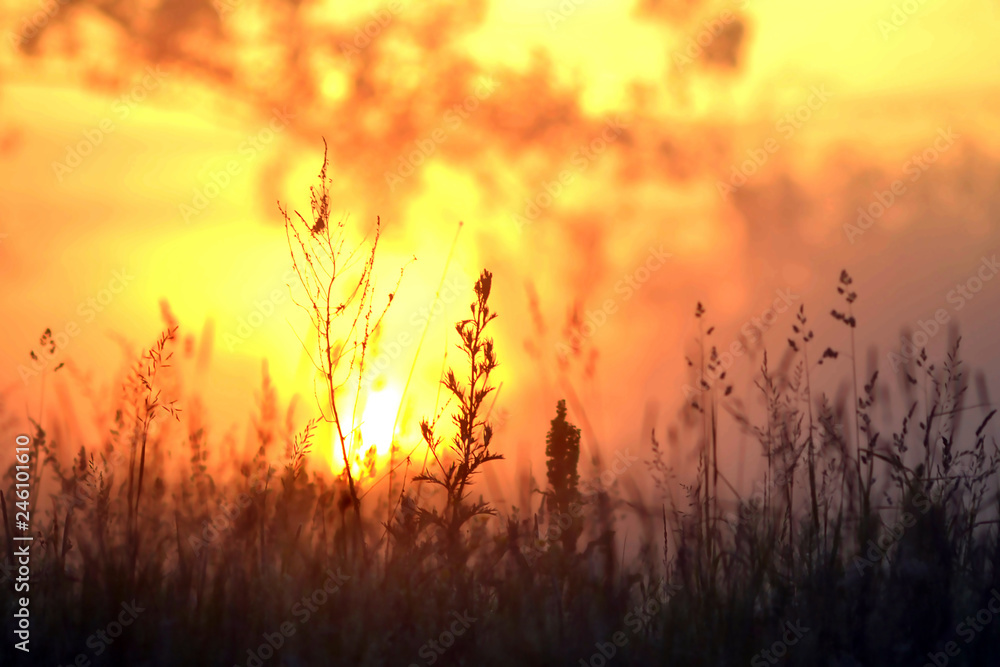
[[858, 546]]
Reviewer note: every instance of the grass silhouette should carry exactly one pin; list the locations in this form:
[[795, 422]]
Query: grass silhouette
[[856, 548]]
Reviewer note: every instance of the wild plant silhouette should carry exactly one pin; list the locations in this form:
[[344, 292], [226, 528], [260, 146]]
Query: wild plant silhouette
[[858, 546]]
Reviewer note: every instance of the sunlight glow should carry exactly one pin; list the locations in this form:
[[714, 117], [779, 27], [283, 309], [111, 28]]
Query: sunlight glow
[[380, 416], [369, 446]]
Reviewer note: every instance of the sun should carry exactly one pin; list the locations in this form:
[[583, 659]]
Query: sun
[[372, 438], [378, 420]]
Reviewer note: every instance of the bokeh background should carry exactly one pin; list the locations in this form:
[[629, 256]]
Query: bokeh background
[[612, 163]]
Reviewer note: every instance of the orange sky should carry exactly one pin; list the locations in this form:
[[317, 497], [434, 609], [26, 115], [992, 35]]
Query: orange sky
[[513, 91]]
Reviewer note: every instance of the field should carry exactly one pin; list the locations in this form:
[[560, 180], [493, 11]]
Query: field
[[859, 546]]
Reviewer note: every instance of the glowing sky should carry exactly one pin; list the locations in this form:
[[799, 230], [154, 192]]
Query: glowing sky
[[258, 86]]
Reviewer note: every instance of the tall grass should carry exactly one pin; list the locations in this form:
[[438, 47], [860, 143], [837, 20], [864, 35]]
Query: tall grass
[[875, 546]]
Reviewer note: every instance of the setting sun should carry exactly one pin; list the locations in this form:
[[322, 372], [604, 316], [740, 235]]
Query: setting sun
[[499, 332], [369, 447]]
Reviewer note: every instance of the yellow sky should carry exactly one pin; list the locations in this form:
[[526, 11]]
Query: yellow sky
[[890, 90]]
